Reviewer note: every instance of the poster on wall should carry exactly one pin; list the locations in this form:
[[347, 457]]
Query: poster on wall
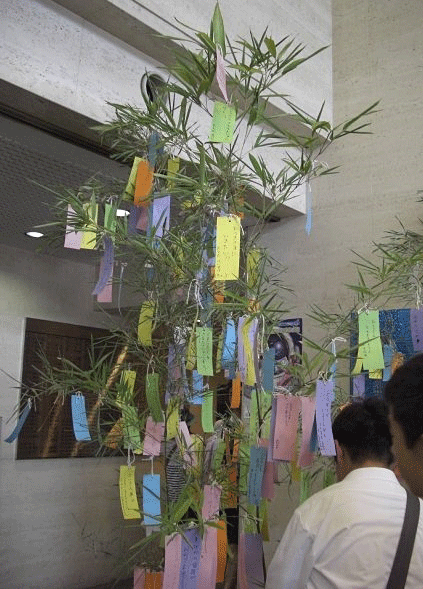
[[286, 339]]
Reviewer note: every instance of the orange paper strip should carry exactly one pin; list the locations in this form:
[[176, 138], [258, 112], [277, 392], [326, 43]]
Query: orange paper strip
[[143, 184], [222, 542], [236, 392]]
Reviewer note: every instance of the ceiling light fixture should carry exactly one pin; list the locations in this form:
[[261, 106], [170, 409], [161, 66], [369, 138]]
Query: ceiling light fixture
[[35, 234]]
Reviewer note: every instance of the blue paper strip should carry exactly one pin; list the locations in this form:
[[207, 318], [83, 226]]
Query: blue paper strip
[[309, 209], [313, 437], [153, 150], [107, 271], [190, 559], [133, 217], [160, 218], [388, 354], [258, 458], [20, 423], [151, 499], [416, 326], [229, 346], [79, 418], [197, 385], [268, 370]]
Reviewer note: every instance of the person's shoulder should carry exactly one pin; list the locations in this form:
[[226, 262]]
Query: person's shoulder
[[320, 503]]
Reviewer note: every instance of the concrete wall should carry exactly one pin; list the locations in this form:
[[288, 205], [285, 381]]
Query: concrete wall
[[377, 49]]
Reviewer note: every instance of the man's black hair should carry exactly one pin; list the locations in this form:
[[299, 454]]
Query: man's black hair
[[404, 394], [362, 428]]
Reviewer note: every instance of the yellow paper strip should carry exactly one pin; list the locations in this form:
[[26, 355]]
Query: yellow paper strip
[[130, 187], [228, 242], [172, 421], [128, 493], [145, 323], [172, 170], [223, 123]]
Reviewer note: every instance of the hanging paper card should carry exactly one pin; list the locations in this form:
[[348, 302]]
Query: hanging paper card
[[268, 370], [20, 423], [154, 434], [241, 349], [370, 345], [172, 421], [272, 430], [220, 73], [131, 432], [309, 209], [211, 502], [253, 260], [197, 387], [185, 445], [222, 542], [72, 238], [208, 560], [88, 240], [153, 579], [228, 240], [128, 378], [153, 148], [254, 560], [153, 396], [110, 218], [286, 424], [223, 123], [207, 410], [416, 327], [130, 187], [139, 578], [172, 567], [324, 398], [190, 559], [204, 343], [249, 334], [106, 295], [219, 351], [268, 484], [388, 354], [151, 499], [172, 170], [241, 569], [236, 392], [229, 346], [255, 475], [145, 323], [191, 353], [160, 218], [128, 494], [143, 184], [219, 454], [79, 418], [244, 465], [359, 385], [106, 267], [308, 410], [305, 484]]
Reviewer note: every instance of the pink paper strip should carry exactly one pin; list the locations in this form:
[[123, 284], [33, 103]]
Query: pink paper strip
[[308, 409], [172, 561], [268, 484], [208, 560], [242, 573], [154, 433], [139, 578], [221, 73], [186, 446], [211, 502], [286, 425], [72, 238]]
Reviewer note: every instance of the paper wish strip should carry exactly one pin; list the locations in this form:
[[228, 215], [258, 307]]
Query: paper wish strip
[[20, 423], [130, 186], [416, 327], [208, 560], [324, 398], [204, 343], [172, 567], [145, 323], [255, 475], [151, 499], [286, 425], [154, 435], [143, 183], [153, 396], [370, 344], [223, 123], [89, 236], [190, 559], [221, 73], [228, 243], [106, 266], [308, 410], [128, 494], [73, 238], [79, 418]]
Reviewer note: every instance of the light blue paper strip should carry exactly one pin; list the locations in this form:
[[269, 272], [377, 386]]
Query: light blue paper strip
[[258, 458], [268, 370], [151, 499], [309, 209], [79, 418], [388, 354], [197, 386], [229, 345], [107, 270], [19, 424]]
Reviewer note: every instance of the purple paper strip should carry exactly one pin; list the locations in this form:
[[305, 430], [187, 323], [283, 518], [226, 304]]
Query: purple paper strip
[[190, 559], [161, 215], [211, 502], [241, 350], [107, 266], [416, 326], [268, 484], [133, 218], [324, 398], [208, 560], [359, 385], [254, 561]]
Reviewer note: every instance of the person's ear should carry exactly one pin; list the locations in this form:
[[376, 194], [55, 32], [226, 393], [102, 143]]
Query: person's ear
[[339, 451]]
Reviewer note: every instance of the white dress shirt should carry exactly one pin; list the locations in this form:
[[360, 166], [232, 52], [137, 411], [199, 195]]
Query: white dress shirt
[[346, 536]]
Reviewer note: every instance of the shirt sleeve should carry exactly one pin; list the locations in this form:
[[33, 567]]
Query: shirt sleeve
[[293, 561]]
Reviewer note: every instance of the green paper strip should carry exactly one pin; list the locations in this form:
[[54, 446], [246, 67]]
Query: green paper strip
[[244, 465], [131, 432], [218, 455], [305, 483], [207, 411], [223, 123], [191, 352], [370, 344], [204, 341], [153, 396]]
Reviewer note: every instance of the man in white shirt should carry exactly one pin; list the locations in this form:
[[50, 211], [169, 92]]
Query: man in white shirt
[[346, 536]]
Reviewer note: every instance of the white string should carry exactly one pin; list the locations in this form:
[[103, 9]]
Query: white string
[[130, 461], [122, 268]]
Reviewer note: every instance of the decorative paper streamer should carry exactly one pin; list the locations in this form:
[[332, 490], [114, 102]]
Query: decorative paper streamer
[[228, 243], [145, 323], [190, 559], [255, 475], [268, 369], [308, 411], [130, 187], [143, 184], [20, 423], [151, 499], [309, 209], [197, 386], [153, 396], [172, 567], [128, 494], [79, 418], [416, 327], [207, 411], [285, 434], [107, 266], [72, 238], [370, 345], [204, 343], [88, 240], [172, 170], [236, 392], [305, 483], [221, 73], [154, 434], [223, 123], [160, 216], [324, 398]]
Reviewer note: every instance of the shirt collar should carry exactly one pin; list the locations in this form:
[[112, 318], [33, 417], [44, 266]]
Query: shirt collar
[[371, 472]]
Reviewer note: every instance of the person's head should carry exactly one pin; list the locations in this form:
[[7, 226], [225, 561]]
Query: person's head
[[404, 395], [362, 436]]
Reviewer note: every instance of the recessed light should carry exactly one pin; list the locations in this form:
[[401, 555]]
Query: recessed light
[[35, 234], [122, 213]]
